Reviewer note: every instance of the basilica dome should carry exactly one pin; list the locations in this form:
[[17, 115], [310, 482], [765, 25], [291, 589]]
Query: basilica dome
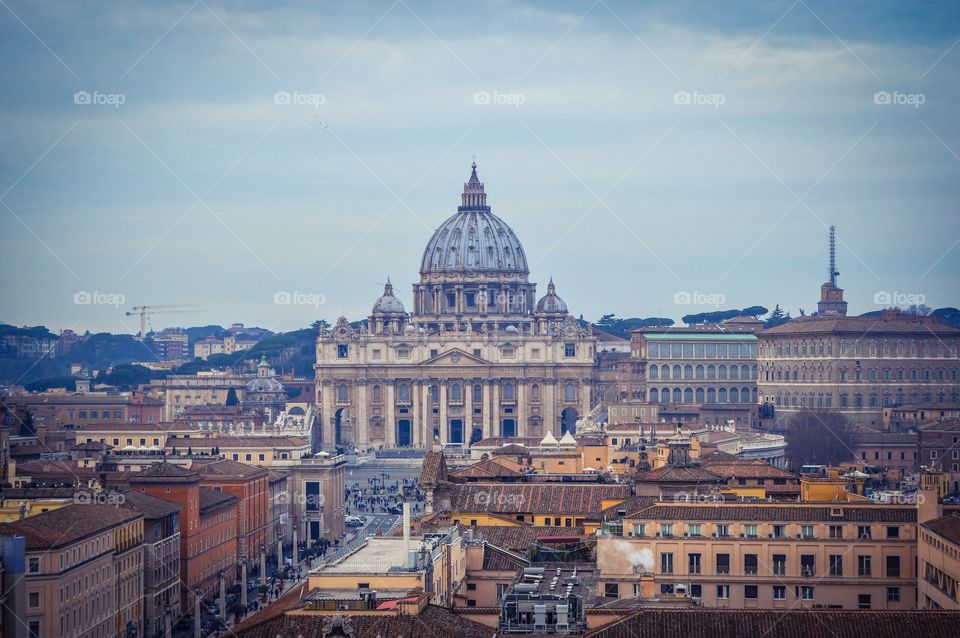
[[551, 303], [474, 240], [388, 304]]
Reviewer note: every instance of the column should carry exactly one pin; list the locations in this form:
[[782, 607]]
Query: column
[[223, 596], [390, 421], [295, 551], [360, 434], [521, 410], [263, 564], [416, 413], [487, 409], [495, 408], [444, 426], [550, 406], [467, 410], [426, 409]]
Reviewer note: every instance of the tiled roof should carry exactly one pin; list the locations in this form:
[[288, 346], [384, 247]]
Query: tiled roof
[[241, 442], [432, 622], [885, 438], [138, 427], [498, 441], [520, 538], [150, 506], [631, 507], [512, 449], [43, 468], [37, 492], [735, 623], [92, 446], [680, 474], [434, 468], [901, 324], [946, 526], [68, 524], [165, 472], [500, 560], [799, 512], [488, 469], [951, 425], [212, 500], [225, 468], [745, 468], [535, 498]]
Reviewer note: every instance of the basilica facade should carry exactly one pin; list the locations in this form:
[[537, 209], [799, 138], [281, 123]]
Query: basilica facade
[[478, 356]]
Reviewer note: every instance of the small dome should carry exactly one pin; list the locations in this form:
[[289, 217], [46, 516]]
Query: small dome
[[264, 385], [512, 328], [551, 303], [388, 304]]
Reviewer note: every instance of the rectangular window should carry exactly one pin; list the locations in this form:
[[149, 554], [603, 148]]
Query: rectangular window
[[723, 592], [779, 531], [863, 601], [693, 563], [693, 529], [749, 563], [836, 531], [723, 563], [33, 599], [806, 531], [723, 530], [893, 532], [779, 592], [666, 529], [569, 349], [863, 565], [863, 532], [808, 564], [750, 531], [893, 594], [666, 563], [836, 565], [33, 565], [806, 593], [779, 564], [750, 592], [342, 351], [610, 590], [893, 566]]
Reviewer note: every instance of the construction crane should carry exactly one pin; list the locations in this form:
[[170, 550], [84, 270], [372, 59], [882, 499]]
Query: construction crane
[[146, 311]]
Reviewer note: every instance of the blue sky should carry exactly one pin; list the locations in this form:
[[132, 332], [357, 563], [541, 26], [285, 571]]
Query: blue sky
[[639, 151]]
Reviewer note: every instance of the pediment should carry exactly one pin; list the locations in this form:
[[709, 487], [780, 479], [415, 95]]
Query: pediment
[[455, 357]]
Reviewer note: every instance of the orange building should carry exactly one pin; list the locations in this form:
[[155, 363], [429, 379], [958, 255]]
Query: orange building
[[208, 526]]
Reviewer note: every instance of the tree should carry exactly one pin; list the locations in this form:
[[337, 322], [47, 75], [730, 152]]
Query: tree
[[754, 311], [818, 437], [777, 317], [232, 397], [918, 310]]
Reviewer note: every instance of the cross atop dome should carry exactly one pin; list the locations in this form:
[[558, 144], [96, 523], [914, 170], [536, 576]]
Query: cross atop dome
[[473, 198]]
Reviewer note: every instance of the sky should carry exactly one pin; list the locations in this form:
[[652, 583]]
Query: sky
[[273, 163]]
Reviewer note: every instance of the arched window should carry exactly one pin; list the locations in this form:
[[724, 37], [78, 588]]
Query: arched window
[[722, 372], [654, 395], [343, 394], [654, 371], [377, 394], [711, 371], [734, 395], [699, 395], [456, 392], [688, 371], [722, 395], [677, 397], [734, 372], [688, 395], [711, 395], [665, 395], [508, 392], [535, 392], [404, 391], [478, 393], [676, 372], [699, 372], [569, 392], [744, 395]]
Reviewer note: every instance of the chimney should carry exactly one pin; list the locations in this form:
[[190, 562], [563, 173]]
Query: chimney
[[647, 589], [928, 498], [406, 525]]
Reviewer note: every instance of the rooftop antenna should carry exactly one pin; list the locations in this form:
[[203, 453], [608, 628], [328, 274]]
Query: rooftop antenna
[[833, 255]]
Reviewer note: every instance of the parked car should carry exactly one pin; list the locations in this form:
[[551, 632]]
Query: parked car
[[353, 521], [395, 509]]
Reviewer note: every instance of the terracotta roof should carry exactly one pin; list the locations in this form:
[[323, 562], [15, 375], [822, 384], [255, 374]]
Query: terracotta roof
[[747, 468], [501, 560], [208, 468], [499, 441], [512, 449], [488, 469], [680, 474], [432, 622], [632, 506], [68, 524], [951, 425], [892, 323], [49, 469], [164, 472], [92, 446], [799, 512], [241, 442], [520, 538], [536, 498], [150, 506], [37, 492], [212, 500], [734, 623], [885, 438], [434, 468], [138, 427], [946, 526]]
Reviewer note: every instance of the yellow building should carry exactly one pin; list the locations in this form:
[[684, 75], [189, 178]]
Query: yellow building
[[22, 502], [938, 554]]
